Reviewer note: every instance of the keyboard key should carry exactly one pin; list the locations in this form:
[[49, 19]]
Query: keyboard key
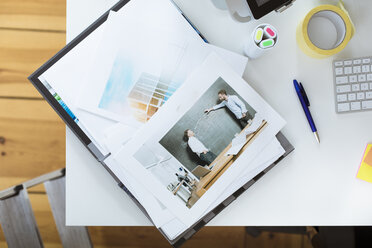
[[342, 98], [360, 96], [352, 97], [348, 62], [353, 79], [365, 68], [339, 63], [343, 107], [367, 105], [355, 87], [340, 71], [370, 86], [355, 105], [357, 61], [342, 80], [348, 70], [369, 77], [366, 61], [364, 86], [343, 89], [362, 78], [357, 69], [369, 95]]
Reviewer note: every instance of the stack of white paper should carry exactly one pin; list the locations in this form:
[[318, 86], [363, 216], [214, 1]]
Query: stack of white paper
[[139, 87]]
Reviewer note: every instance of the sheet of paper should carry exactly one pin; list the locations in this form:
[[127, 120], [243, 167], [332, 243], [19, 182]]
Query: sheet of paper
[[270, 154], [156, 59], [239, 141], [157, 212], [67, 74], [236, 144], [146, 146], [135, 52]]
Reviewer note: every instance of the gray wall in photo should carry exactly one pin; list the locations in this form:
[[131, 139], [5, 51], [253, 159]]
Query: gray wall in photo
[[215, 130]]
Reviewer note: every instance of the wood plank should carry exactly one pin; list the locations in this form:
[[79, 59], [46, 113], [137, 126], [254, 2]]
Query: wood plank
[[32, 140], [19, 88], [33, 14], [275, 240], [19, 109], [44, 219], [31, 148], [150, 237], [31, 40], [218, 237], [127, 237], [22, 52]]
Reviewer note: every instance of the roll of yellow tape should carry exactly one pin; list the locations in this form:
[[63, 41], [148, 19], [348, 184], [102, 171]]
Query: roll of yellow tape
[[342, 31]]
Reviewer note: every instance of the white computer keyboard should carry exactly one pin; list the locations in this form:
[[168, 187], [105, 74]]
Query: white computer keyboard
[[353, 84]]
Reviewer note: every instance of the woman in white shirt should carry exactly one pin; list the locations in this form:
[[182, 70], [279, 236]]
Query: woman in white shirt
[[198, 147]]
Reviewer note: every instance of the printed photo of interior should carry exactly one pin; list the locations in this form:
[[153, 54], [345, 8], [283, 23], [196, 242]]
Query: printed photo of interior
[[203, 144]]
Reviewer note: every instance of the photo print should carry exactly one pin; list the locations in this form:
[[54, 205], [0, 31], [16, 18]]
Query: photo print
[[195, 152]]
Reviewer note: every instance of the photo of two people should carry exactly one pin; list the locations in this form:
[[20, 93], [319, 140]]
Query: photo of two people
[[193, 153], [233, 104]]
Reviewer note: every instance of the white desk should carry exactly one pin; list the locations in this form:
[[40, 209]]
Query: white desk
[[315, 185]]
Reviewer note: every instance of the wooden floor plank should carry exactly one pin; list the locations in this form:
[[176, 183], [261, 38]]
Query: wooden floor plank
[[127, 237], [19, 109], [32, 140], [275, 240], [44, 219], [22, 52], [31, 148], [18, 87], [233, 237], [33, 14], [150, 237], [31, 40]]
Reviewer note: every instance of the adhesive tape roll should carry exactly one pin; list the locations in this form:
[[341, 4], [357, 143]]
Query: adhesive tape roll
[[325, 31]]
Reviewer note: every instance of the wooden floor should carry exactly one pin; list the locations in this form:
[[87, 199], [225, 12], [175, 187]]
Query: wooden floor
[[32, 138]]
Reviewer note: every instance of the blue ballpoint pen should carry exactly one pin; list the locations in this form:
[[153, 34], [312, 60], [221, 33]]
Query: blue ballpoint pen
[[305, 105]]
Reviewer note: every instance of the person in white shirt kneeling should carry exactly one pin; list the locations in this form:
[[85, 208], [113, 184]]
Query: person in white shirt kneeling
[[198, 147]]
